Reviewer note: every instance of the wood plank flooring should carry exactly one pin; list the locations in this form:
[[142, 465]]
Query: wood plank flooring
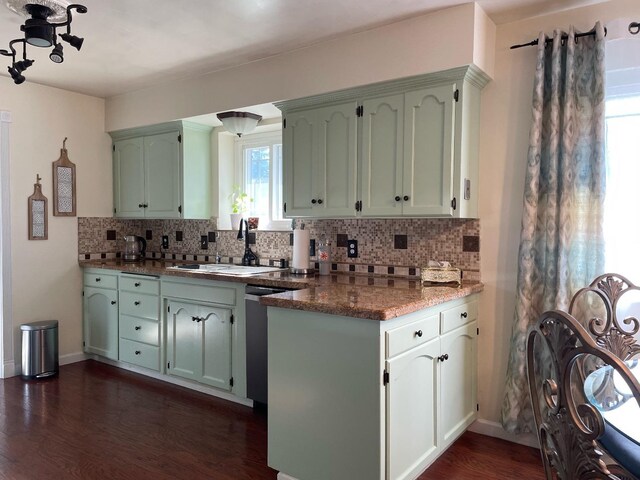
[[99, 422]]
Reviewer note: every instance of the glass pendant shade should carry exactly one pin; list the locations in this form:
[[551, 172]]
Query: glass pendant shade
[[239, 123]]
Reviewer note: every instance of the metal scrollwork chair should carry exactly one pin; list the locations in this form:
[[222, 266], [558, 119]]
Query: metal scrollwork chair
[[618, 336], [569, 426]]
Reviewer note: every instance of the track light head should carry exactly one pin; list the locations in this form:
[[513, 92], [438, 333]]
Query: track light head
[[18, 78], [56, 54], [75, 42], [22, 65]]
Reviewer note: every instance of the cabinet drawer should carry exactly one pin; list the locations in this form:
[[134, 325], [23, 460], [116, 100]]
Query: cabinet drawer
[[458, 316], [100, 280], [408, 336], [139, 305], [139, 354], [200, 292], [140, 284], [139, 329]]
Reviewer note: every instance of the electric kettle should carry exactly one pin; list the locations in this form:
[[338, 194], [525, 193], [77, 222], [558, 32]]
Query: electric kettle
[[134, 248]]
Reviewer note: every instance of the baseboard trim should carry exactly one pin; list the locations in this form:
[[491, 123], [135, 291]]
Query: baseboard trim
[[284, 476], [72, 358], [494, 429], [175, 381], [8, 369]]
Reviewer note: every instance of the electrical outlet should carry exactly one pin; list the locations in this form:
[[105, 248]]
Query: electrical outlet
[[352, 248], [165, 241], [204, 242], [312, 247]]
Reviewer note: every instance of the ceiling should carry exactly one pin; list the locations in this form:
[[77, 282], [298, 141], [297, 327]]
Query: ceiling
[[130, 45]]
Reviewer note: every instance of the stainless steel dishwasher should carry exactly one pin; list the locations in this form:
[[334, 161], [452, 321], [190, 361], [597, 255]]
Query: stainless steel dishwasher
[[257, 341]]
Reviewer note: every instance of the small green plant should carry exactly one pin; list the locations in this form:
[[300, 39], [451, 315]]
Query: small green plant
[[239, 200]]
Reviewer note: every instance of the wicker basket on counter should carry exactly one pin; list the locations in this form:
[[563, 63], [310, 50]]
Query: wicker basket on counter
[[441, 275]]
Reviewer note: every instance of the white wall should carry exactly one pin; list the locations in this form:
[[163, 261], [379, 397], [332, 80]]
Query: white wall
[[46, 279], [506, 116], [402, 49]]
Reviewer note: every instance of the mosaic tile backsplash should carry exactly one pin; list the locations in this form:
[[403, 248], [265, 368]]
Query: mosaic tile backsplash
[[397, 247]]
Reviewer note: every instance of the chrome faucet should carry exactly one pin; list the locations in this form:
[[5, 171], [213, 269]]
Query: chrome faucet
[[248, 256]]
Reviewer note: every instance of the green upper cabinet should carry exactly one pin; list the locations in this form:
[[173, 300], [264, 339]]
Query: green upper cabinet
[[407, 147], [382, 144], [162, 171], [320, 161], [427, 185]]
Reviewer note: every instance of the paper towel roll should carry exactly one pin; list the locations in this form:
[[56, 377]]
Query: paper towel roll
[[300, 258]]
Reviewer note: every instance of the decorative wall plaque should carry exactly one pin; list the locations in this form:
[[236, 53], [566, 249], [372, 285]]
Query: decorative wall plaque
[[37, 208], [64, 185]]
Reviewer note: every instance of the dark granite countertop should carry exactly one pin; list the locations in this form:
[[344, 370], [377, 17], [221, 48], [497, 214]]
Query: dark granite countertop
[[376, 298]]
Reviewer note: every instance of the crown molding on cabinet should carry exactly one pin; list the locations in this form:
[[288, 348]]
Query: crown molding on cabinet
[[471, 73]]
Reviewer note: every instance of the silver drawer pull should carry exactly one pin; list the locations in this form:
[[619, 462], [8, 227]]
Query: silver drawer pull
[[137, 328], [418, 333]]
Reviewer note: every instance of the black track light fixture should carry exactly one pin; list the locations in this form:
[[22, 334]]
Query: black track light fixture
[[18, 78], [22, 65], [56, 54], [43, 18], [75, 42]]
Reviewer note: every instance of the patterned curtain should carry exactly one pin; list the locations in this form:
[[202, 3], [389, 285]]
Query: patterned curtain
[[562, 239]]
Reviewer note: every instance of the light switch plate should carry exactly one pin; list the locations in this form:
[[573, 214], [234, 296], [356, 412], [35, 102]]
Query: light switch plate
[[352, 248], [204, 242], [165, 241]]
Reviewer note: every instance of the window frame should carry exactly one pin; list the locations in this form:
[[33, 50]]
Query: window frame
[[255, 140]]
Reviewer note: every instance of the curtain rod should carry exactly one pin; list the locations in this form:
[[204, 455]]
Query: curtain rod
[[564, 38]]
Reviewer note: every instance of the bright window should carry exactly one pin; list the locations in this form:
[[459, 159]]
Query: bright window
[[621, 225], [259, 165]]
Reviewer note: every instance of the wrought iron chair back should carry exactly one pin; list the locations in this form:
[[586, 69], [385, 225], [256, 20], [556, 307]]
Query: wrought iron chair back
[[610, 333], [568, 426]]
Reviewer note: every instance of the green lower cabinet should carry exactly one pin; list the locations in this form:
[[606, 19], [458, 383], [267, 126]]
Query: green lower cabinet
[[199, 343], [100, 307]]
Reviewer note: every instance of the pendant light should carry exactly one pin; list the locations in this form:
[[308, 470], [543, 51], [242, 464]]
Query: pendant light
[[43, 18], [239, 123]]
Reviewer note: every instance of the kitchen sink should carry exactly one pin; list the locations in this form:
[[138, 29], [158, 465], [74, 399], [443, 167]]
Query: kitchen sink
[[225, 269]]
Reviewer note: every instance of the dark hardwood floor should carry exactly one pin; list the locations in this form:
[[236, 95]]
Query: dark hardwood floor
[[99, 422]]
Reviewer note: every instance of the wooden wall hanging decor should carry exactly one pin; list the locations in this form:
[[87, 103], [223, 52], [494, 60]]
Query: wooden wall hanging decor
[[64, 185], [37, 205]]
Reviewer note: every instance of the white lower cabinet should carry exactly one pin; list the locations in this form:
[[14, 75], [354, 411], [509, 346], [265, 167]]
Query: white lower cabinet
[[356, 398], [199, 343], [412, 410]]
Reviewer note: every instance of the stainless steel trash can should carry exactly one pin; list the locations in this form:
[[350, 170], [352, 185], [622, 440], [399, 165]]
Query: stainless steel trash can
[[39, 349]]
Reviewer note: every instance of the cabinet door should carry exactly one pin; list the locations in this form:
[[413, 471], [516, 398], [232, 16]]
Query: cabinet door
[[300, 158], [162, 175], [128, 178], [428, 151], [101, 322], [184, 341], [412, 416], [335, 182], [216, 346], [382, 144], [458, 385]]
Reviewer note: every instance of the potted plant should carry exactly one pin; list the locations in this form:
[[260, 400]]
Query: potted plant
[[239, 205]]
